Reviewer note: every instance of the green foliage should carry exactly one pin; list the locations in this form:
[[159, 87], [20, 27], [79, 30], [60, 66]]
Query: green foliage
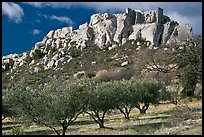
[[126, 95], [21, 99], [11, 62], [189, 81], [149, 92], [28, 59], [74, 52], [101, 101], [190, 60], [102, 97], [37, 54], [173, 93], [17, 131], [6, 108], [73, 43], [58, 103], [55, 103], [64, 101], [52, 50]]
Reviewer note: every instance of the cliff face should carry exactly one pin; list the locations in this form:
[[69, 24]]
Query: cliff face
[[105, 31]]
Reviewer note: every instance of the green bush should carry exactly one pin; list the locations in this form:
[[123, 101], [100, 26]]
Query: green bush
[[174, 93], [37, 54], [74, 52], [55, 103], [28, 59], [149, 92], [126, 95], [17, 131], [101, 101]]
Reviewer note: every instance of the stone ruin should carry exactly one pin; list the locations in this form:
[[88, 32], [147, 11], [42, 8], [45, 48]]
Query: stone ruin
[[140, 16]]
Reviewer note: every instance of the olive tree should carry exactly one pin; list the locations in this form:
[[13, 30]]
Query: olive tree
[[21, 99], [53, 104], [149, 92], [101, 101], [6, 108], [65, 102], [126, 96]]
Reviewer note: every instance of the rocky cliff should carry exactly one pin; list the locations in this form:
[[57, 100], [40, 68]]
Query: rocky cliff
[[106, 31]]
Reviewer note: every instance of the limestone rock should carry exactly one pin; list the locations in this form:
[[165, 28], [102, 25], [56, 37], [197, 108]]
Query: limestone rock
[[36, 69], [168, 30], [154, 16], [151, 32], [32, 62], [124, 28], [50, 64], [104, 27], [50, 34], [106, 31], [124, 63], [180, 34], [79, 74]]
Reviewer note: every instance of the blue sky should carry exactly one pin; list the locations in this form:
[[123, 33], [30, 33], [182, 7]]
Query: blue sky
[[25, 23]]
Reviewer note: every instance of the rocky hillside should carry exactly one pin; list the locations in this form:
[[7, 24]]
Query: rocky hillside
[[108, 41]]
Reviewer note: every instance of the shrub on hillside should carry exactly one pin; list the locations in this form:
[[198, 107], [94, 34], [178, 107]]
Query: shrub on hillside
[[114, 74]]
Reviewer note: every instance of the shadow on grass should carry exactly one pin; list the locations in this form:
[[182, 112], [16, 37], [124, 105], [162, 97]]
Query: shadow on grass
[[116, 118], [153, 117], [11, 123], [84, 122], [194, 109], [48, 131], [144, 128], [141, 117], [9, 127], [40, 132]]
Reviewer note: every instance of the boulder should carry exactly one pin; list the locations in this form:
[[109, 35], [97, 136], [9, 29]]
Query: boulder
[[124, 63], [50, 64], [36, 69]]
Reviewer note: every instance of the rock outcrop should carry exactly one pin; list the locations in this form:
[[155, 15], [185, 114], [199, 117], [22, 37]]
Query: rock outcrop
[[105, 31]]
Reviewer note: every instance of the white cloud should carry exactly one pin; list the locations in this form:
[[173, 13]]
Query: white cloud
[[195, 22], [13, 11], [52, 4], [179, 18], [62, 19], [36, 4], [36, 32], [182, 7], [182, 12], [38, 21], [42, 15]]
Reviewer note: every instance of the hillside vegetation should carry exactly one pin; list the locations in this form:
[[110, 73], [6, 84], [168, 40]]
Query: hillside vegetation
[[123, 90]]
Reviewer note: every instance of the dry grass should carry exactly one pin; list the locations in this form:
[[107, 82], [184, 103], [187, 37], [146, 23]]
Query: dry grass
[[185, 118]]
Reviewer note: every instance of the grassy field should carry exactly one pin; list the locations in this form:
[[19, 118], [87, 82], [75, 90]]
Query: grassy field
[[163, 119]]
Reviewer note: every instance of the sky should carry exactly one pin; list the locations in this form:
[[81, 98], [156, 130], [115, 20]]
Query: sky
[[26, 23]]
